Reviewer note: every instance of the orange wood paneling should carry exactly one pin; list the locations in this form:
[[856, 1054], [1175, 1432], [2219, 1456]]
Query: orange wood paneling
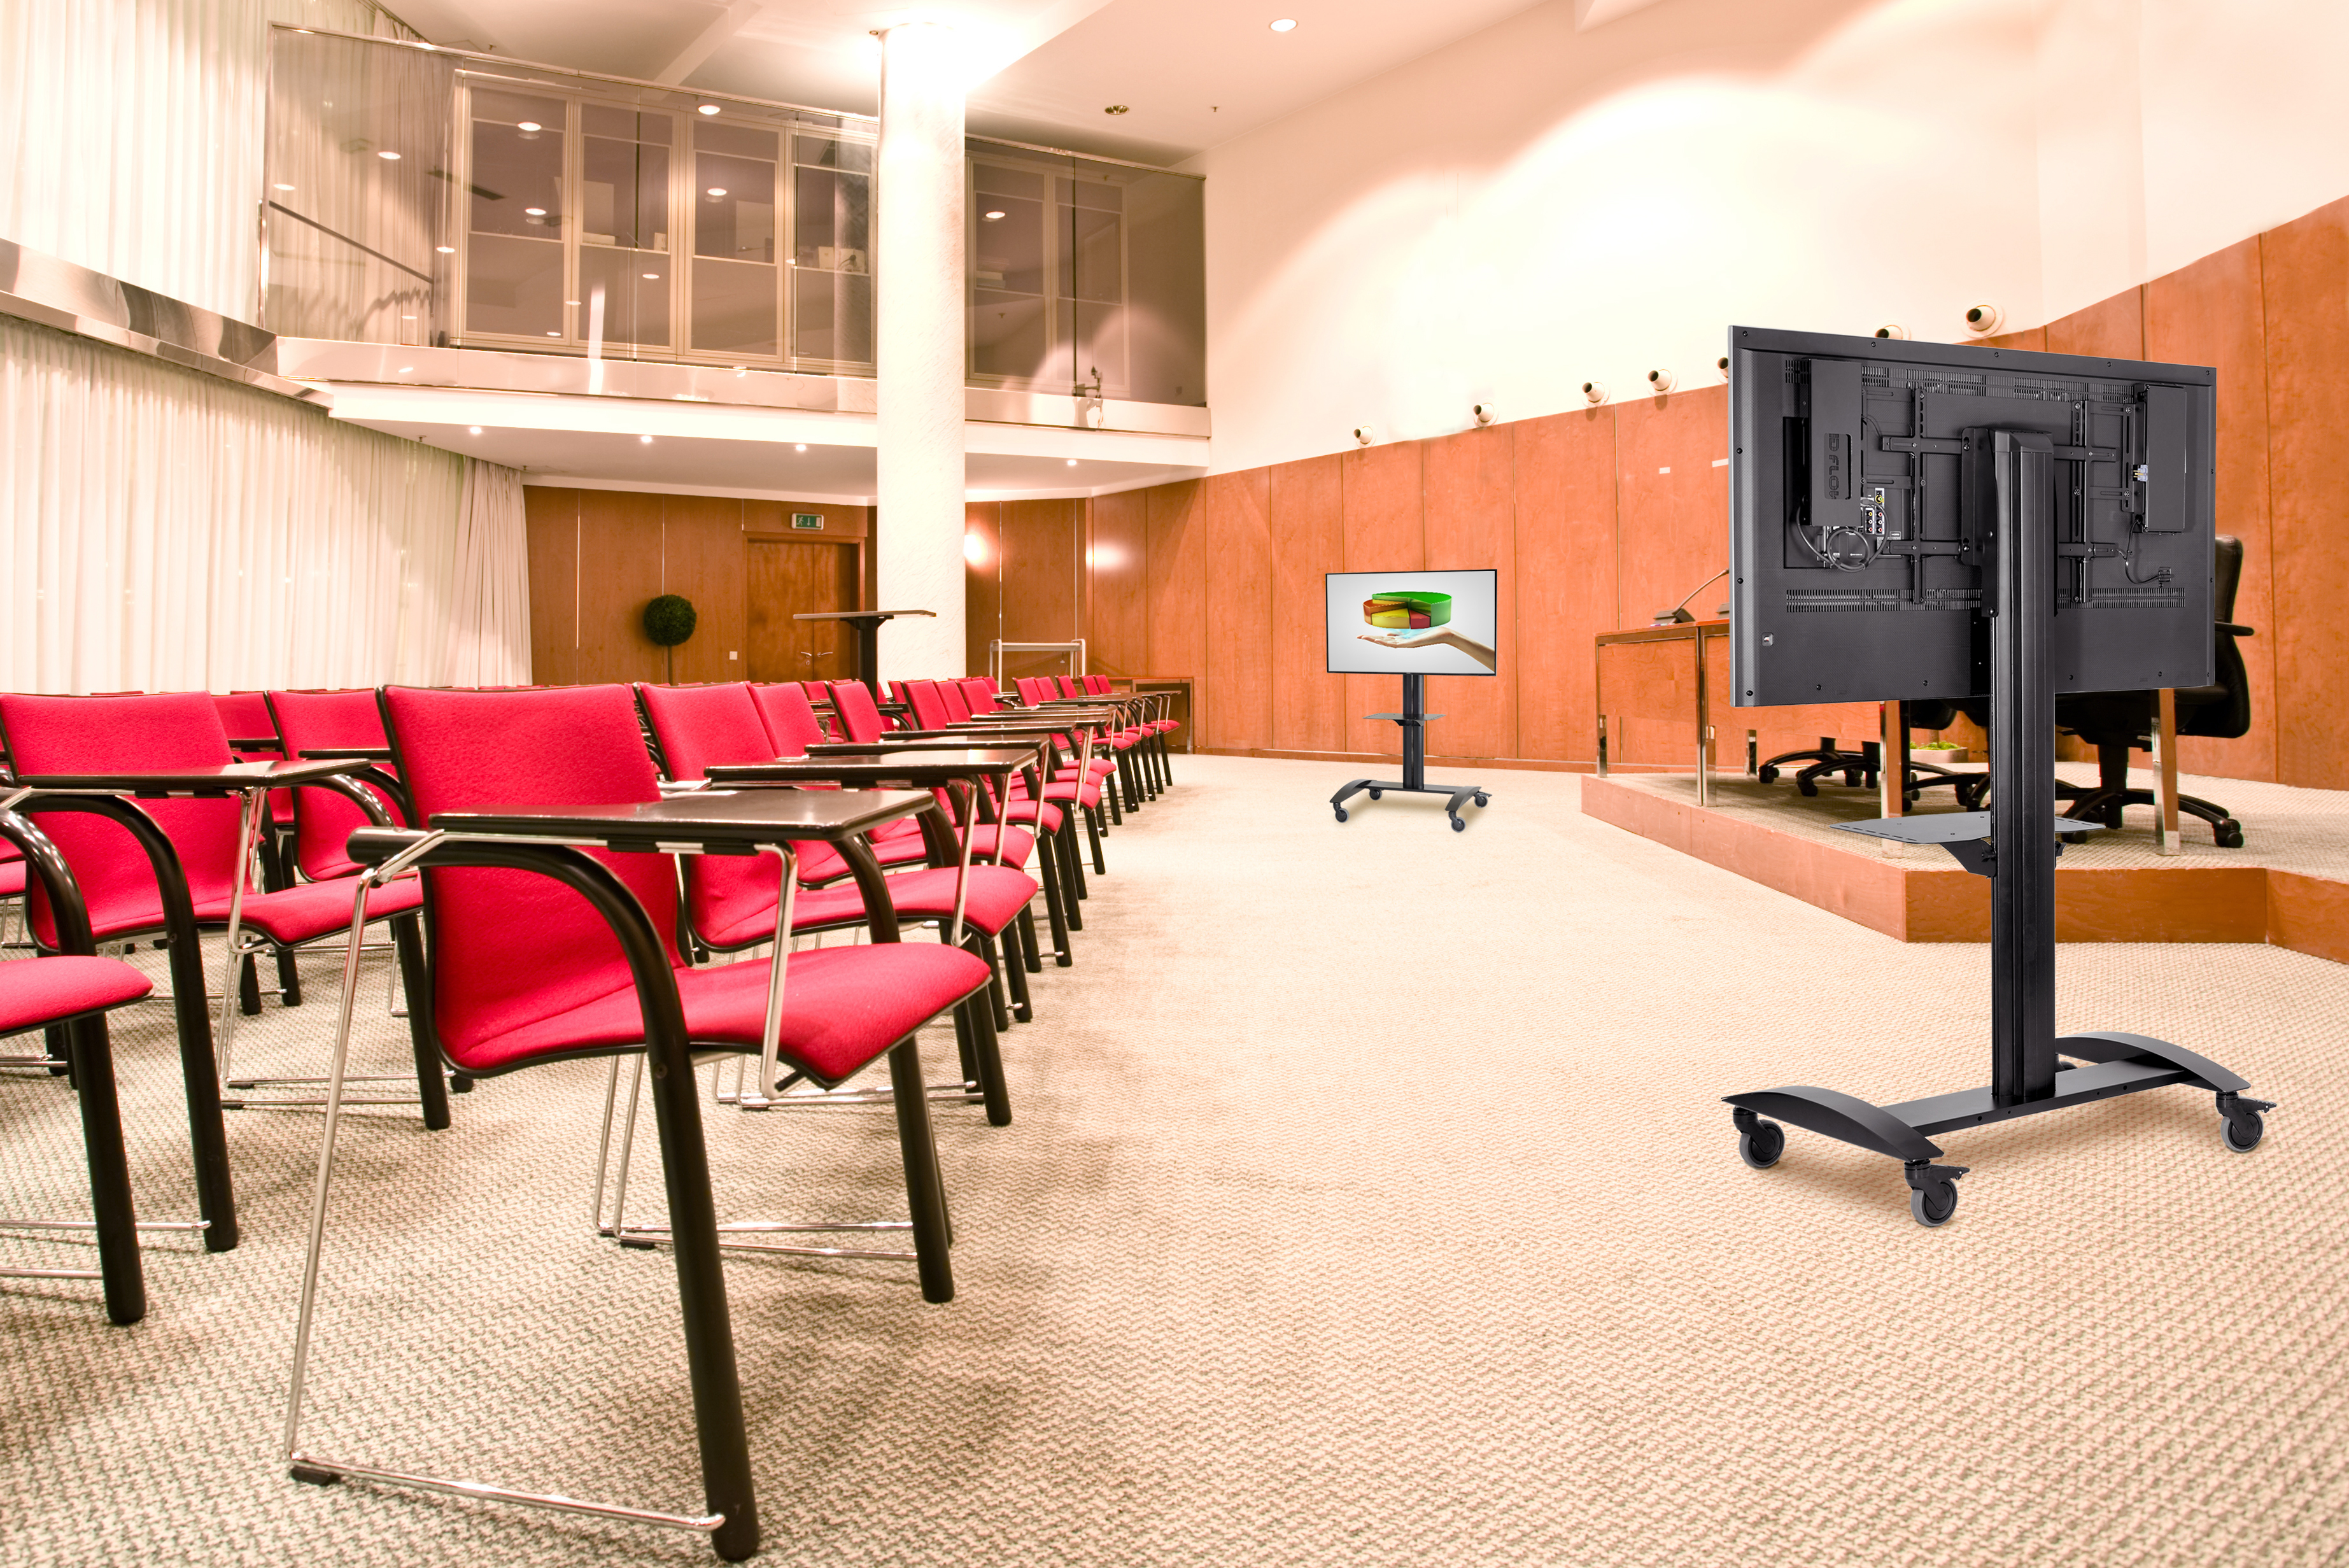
[[550, 518], [1672, 515], [1469, 494], [1381, 498], [982, 582], [1566, 587], [2212, 314], [1117, 595], [2034, 339], [1041, 549], [620, 553], [1178, 590], [704, 558], [1238, 610], [1305, 524], [2302, 265], [2309, 915], [2111, 328]]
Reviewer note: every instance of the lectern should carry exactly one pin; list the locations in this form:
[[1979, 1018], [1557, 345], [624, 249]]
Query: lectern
[[868, 638]]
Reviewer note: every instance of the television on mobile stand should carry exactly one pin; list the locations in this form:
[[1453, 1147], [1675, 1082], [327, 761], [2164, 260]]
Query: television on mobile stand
[[1414, 624], [1925, 521]]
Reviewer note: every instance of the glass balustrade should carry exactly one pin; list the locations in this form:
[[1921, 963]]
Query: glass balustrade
[[433, 197]]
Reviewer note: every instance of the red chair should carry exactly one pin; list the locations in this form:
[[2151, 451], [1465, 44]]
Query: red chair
[[979, 693], [71, 994], [730, 906], [314, 722], [61, 736], [545, 953], [792, 724]]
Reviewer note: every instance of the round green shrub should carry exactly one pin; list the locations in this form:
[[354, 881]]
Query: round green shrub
[[669, 620]]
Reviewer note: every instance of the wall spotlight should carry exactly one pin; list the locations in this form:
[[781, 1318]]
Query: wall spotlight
[[1484, 413], [1364, 435], [1893, 329], [1722, 364], [1983, 320], [1660, 380], [645, 439], [1594, 392]]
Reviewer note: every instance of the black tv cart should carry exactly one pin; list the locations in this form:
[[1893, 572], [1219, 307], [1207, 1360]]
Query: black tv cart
[[2015, 844], [1414, 721]]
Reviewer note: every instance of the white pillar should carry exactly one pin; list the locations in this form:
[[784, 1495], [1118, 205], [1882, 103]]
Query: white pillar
[[917, 258]]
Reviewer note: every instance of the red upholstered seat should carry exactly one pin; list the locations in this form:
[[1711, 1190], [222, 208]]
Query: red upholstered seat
[[929, 705], [308, 910], [979, 693], [792, 725], [12, 876], [40, 992], [324, 820], [525, 968], [696, 726]]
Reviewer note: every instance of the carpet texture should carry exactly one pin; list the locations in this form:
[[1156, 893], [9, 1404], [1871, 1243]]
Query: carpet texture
[[1370, 1201]]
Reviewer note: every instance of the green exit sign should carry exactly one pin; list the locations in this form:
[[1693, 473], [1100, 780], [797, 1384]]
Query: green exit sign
[[808, 522]]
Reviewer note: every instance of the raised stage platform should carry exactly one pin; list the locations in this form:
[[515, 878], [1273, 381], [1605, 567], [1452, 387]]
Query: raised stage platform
[[2288, 885]]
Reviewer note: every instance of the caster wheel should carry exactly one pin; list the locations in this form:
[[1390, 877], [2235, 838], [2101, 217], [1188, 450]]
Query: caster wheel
[[1806, 786], [1341, 813], [1760, 1147], [1768, 775], [1376, 794], [1481, 801], [2243, 1130], [1458, 825], [1933, 1206], [2231, 835]]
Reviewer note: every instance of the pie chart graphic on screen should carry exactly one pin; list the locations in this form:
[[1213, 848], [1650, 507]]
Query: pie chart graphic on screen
[[1412, 623]]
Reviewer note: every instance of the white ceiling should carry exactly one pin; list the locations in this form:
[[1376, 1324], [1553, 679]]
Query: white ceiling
[[1191, 73]]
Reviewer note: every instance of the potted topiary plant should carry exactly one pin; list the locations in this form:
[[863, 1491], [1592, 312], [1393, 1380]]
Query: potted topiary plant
[[669, 620]]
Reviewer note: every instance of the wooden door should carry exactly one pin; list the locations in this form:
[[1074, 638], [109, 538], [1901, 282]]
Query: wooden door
[[788, 579]]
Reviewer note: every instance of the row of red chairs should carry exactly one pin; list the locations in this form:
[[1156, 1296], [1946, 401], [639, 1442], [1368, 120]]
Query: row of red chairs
[[541, 952]]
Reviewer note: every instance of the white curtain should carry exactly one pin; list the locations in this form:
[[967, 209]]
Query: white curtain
[[161, 529]]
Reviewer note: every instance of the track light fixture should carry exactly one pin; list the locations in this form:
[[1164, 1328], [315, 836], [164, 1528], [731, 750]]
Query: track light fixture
[[1983, 320], [1364, 435], [1594, 392], [1482, 413], [1660, 380]]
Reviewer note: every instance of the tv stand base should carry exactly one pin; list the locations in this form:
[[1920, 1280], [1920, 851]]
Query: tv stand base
[[1461, 795]]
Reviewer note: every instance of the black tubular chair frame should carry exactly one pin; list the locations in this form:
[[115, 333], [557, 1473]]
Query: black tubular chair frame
[[732, 1517], [90, 1059]]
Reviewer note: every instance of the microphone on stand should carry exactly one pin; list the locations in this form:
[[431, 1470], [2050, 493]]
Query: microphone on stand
[[1679, 613]]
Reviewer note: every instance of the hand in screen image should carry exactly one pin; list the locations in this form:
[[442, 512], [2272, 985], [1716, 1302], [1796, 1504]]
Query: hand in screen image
[[1440, 637]]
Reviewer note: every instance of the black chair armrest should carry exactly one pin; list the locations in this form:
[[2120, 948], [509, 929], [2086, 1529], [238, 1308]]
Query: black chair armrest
[[2233, 628]]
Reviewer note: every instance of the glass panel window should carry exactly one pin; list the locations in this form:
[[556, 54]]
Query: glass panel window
[[833, 312], [1009, 331], [736, 288], [624, 295], [831, 257], [513, 277]]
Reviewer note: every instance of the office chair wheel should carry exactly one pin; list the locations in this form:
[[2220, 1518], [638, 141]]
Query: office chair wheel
[[1932, 1206], [2230, 834], [1341, 812], [1768, 774], [1805, 785], [1458, 825], [1760, 1147], [2243, 1131], [1375, 795]]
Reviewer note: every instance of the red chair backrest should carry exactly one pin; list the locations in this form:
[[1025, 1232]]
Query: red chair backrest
[[324, 821], [817, 691], [1068, 687], [853, 704], [792, 725], [957, 705], [697, 725], [509, 947], [929, 706], [1097, 685], [979, 693], [81, 735], [1026, 685], [245, 716]]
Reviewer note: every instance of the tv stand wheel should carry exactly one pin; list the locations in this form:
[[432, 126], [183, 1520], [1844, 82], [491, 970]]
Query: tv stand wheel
[[1341, 812], [1376, 794], [2243, 1131], [2229, 834], [1932, 1205], [1458, 825], [1768, 774], [1760, 1147], [1482, 800]]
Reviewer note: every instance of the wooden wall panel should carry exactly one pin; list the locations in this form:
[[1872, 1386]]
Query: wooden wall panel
[[1566, 577], [1381, 507], [2112, 328], [1305, 522], [1469, 495], [982, 582], [2302, 265], [1672, 522], [2212, 314], [1117, 596], [551, 519], [703, 557], [1177, 553], [1040, 570], [1238, 611], [620, 552]]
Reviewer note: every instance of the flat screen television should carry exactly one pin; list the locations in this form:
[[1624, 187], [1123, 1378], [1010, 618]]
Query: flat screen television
[[1863, 480], [1413, 623]]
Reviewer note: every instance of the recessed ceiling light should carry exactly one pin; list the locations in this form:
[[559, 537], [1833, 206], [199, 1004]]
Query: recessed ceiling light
[[1073, 462], [535, 212], [389, 156], [1115, 109], [1286, 25], [473, 429], [528, 125], [652, 277], [551, 332], [446, 250], [646, 440], [801, 447], [407, 319], [718, 191], [408, 370], [984, 217], [281, 187], [709, 109]]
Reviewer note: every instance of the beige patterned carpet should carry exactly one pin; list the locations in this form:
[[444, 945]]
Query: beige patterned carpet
[[1371, 1200]]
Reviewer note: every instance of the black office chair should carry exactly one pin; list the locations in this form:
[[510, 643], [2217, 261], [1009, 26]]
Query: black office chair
[[1860, 769], [2118, 722]]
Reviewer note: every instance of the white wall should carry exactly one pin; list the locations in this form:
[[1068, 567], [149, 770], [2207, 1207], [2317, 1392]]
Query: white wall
[[1535, 206]]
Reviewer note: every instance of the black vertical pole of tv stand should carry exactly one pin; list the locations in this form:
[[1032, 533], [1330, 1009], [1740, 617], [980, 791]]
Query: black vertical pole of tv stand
[[1415, 731], [2009, 485]]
